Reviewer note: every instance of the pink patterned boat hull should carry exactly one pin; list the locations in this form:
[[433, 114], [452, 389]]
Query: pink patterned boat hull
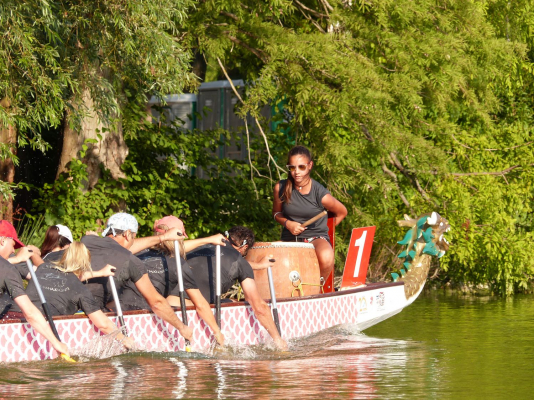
[[364, 306]]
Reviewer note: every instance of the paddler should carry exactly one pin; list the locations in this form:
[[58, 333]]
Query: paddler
[[233, 266], [58, 238], [116, 247], [11, 283], [160, 262], [242, 239], [64, 292], [300, 198]]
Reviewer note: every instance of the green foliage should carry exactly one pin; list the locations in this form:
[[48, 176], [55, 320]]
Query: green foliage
[[51, 51], [160, 183], [409, 107]]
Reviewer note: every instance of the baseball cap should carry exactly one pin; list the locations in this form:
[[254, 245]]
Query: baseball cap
[[172, 222], [7, 230], [122, 221], [65, 232]]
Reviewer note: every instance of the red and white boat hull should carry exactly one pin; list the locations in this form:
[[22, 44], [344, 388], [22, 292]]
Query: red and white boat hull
[[364, 306]]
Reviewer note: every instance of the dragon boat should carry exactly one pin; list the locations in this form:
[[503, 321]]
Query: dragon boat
[[310, 307]]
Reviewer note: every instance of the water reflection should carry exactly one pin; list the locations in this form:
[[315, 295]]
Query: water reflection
[[440, 347]]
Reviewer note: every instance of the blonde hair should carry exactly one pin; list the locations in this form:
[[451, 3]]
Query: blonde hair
[[76, 259], [167, 247]]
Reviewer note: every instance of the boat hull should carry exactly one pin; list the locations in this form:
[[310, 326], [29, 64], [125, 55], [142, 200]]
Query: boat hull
[[364, 307]]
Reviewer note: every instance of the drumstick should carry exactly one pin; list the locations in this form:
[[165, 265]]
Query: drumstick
[[316, 218]]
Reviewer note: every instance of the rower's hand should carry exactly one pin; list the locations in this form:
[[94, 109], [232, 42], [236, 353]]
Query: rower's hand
[[108, 270], [295, 227], [186, 332], [36, 251], [217, 239], [23, 254], [62, 348], [265, 262], [220, 338], [128, 343], [281, 344], [173, 234], [91, 233]]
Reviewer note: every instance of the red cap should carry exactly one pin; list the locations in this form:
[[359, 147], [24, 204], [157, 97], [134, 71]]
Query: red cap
[[172, 222], [8, 230]]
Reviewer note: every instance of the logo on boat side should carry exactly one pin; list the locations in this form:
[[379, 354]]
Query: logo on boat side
[[363, 304], [380, 299]]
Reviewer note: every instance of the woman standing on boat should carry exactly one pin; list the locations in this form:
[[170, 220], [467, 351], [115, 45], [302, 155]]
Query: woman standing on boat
[[300, 198]]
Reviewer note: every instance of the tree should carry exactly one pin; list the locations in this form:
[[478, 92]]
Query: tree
[[78, 65], [410, 107]]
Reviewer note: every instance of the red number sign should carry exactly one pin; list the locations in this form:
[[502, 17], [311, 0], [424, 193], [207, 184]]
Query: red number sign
[[361, 243]]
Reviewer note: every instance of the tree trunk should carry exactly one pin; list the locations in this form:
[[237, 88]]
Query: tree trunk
[[8, 135], [110, 151]]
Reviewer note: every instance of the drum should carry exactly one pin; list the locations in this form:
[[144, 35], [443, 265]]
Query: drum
[[296, 270]]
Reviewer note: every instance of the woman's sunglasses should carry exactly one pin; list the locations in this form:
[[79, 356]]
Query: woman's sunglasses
[[301, 167]]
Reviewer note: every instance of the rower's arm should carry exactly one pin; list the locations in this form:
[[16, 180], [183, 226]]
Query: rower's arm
[[192, 244], [141, 244], [103, 323], [37, 321], [262, 311], [161, 307], [108, 270], [204, 310]]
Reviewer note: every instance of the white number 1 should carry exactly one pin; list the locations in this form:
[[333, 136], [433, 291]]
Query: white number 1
[[360, 243]]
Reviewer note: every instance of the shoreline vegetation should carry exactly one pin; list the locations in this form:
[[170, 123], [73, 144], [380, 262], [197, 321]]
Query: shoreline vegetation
[[408, 107]]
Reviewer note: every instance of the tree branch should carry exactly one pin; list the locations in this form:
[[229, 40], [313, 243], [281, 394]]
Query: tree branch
[[311, 11], [239, 42], [392, 175], [415, 182], [230, 15], [278, 169]]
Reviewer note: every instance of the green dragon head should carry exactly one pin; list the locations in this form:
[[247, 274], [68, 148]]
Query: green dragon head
[[424, 240]]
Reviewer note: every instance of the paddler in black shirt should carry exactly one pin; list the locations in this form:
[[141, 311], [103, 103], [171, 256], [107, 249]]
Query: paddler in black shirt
[[160, 262], [233, 266], [11, 283], [65, 293], [116, 248], [58, 238]]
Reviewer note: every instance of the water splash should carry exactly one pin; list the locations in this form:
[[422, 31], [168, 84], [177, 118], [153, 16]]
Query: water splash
[[101, 347]]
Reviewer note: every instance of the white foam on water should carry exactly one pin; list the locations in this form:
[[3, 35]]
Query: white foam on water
[[101, 347]]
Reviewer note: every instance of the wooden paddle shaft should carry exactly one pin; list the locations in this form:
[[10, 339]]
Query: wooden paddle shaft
[[317, 217]]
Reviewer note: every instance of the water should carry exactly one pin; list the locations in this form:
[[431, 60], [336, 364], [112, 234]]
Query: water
[[442, 346]]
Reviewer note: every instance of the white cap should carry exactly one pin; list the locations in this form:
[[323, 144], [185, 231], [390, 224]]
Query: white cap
[[122, 221], [65, 232]]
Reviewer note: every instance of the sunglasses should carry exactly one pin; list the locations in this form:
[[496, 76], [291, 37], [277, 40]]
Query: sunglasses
[[232, 242], [301, 167]]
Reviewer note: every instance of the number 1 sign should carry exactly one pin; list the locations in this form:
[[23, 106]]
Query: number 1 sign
[[361, 243]]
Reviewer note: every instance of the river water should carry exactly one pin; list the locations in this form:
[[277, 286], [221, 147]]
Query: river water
[[442, 346]]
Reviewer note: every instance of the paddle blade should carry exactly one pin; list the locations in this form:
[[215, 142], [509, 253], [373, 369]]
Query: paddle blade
[[66, 358]]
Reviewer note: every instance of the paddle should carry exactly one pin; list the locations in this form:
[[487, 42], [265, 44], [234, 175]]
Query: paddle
[[181, 290], [46, 308], [273, 300], [117, 304], [218, 285]]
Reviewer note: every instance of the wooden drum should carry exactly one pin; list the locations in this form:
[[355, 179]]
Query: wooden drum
[[290, 257]]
